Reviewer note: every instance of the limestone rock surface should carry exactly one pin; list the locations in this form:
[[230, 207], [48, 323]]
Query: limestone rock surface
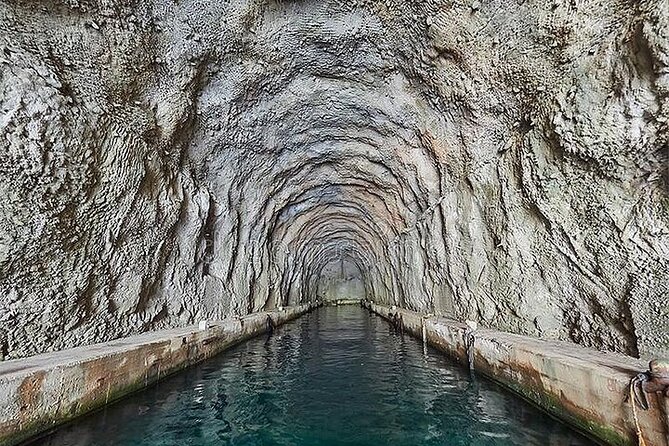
[[167, 161]]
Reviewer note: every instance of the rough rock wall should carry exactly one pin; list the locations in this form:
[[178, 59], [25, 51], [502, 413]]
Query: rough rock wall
[[164, 161]]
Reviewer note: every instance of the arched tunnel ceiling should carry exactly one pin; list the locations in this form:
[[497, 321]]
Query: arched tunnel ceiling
[[165, 162]]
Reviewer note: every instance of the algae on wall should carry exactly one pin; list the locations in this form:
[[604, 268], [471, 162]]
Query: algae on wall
[[164, 162]]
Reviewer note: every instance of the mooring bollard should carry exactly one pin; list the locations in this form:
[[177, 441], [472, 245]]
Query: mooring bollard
[[659, 383], [655, 380]]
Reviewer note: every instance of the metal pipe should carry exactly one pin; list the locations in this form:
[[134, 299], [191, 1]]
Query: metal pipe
[[424, 333]]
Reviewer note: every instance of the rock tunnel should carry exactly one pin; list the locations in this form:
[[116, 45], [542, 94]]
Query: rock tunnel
[[166, 162]]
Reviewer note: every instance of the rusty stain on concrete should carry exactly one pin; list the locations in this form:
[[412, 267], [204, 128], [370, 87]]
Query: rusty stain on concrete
[[29, 395]]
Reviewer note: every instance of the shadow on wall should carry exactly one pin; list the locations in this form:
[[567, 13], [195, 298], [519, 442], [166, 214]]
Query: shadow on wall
[[341, 279]]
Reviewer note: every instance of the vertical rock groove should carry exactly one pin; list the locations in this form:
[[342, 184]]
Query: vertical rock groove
[[164, 162]]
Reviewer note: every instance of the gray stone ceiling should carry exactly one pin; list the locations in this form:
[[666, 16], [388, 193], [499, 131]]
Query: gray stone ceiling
[[168, 161]]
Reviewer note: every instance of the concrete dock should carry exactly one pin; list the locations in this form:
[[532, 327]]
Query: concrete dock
[[585, 388], [43, 391]]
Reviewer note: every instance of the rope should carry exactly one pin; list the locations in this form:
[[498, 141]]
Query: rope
[[637, 391], [636, 419]]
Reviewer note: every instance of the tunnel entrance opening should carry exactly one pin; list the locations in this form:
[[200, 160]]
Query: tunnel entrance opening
[[340, 280]]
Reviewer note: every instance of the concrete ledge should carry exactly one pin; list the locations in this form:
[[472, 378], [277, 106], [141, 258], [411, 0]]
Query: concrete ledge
[[337, 302], [585, 388], [43, 391]]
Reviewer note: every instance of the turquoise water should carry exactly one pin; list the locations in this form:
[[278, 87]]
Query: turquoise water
[[338, 376]]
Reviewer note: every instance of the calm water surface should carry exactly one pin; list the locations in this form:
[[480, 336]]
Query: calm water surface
[[335, 377]]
